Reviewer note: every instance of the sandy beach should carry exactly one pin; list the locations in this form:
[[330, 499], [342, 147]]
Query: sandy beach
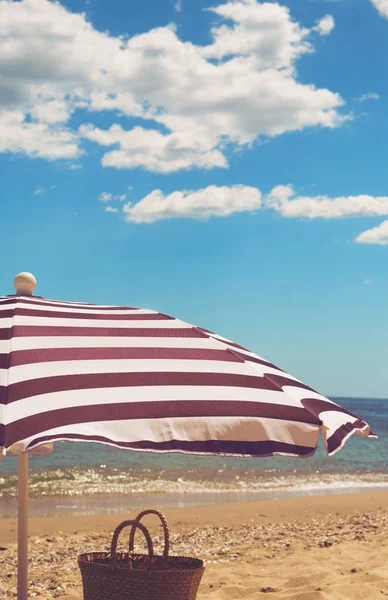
[[324, 547]]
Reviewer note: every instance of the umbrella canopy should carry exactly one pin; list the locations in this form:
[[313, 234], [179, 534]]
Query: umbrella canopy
[[142, 380], [139, 379]]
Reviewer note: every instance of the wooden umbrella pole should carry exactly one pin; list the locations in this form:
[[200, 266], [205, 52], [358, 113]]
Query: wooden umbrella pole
[[25, 284], [23, 527]]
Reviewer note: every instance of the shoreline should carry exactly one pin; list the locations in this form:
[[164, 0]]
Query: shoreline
[[99, 503]]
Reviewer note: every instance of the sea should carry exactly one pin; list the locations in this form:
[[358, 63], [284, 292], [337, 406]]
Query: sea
[[85, 478]]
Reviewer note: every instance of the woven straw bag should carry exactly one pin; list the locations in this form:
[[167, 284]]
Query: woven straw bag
[[130, 576]]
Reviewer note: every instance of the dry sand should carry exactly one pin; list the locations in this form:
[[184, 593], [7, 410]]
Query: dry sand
[[312, 548]]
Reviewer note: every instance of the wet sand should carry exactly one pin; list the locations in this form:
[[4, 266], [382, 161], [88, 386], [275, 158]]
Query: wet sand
[[324, 547]]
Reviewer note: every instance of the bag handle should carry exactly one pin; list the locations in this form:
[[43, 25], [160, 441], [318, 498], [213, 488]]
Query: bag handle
[[152, 511], [118, 530]]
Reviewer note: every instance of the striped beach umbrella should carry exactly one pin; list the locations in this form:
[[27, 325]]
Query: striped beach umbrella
[[142, 380]]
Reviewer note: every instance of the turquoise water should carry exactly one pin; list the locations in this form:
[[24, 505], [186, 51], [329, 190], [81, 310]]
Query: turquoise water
[[83, 475]]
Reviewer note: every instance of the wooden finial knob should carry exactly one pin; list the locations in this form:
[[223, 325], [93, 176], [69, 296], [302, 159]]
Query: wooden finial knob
[[25, 283]]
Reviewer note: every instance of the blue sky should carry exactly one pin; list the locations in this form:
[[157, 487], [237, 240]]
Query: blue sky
[[226, 166]]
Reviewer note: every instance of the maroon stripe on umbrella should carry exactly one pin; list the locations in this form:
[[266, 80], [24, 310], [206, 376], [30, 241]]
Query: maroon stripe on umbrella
[[254, 359], [56, 303], [227, 343], [9, 312], [258, 449], [233, 344], [4, 361], [213, 336], [9, 300], [207, 331], [2, 434], [281, 381], [30, 312], [6, 314], [61, 383], [335, 440], [38, 331], [317, 406], [36, 424], [5, 333], [44, 355]]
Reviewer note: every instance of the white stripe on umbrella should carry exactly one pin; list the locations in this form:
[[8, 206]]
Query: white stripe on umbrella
[[45, 322], [37, 343], [57, 310], [175, 430], [39, 405], [37, 300], [157, 365]]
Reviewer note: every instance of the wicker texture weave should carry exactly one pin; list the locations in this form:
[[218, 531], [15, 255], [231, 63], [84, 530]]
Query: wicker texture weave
[[130, 576]]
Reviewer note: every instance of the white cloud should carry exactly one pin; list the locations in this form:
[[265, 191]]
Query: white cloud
[[367, 281], [264, 31], [242, 86], [111, 209], [382, 7], [284, 200], [376, 235], [325, 25], [369, 96], [124, 102], [35, 139], [153, 150], [74, 167], [223, 201], [201, 204], [108, 197], [178, 6], [51, 111]]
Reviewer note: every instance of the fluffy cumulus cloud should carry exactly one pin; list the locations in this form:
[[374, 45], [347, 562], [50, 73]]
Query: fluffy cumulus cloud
[[284, 200], [193, 101], [35, 138], [325, 25], [223, 201], [219, 201], [153, 150], [264, 31], [376, 235], [382, 7]]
